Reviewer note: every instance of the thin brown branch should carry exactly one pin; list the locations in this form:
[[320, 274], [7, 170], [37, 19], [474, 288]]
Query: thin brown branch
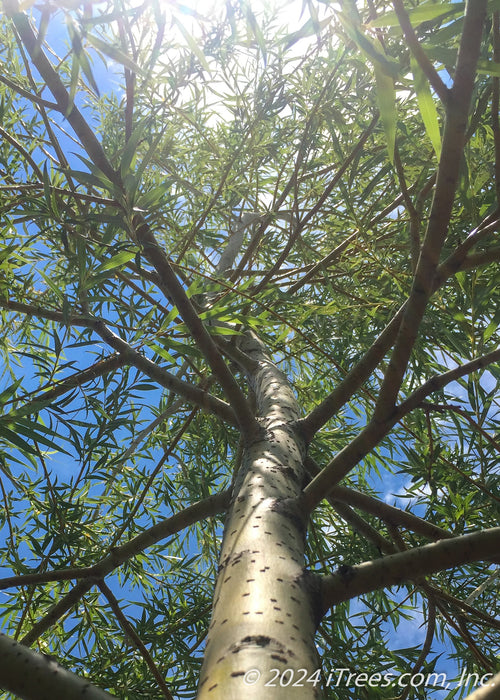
[[445, 408], [414, 216], [194, 394], [323, 264], [389, 514], [495, 101], [41, 397], [27, 94], [440, 380], [175, 291], [351, 581], [134, 638], [166, 528], [84, 132], [421, 57], [457, 110], [188, 391], [358, 148], [27, 156], [376, 430], [356, 377], [426, 648]]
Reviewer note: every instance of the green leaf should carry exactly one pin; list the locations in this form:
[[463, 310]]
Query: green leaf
[[9, 391], [370, 47], [130, 150], [422, 13], [255, 29], [485, 67], [193, 44], [310, 28], [386, 99], [117, 260], [12, 437], [426, 106], [114, 53]]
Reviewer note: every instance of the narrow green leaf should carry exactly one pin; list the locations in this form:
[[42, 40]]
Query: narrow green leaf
[[113, 52], [255, 30], [485, 67], [426, 106], [116, 261], [386, 99], [371, 48], [193, 44], [422, 13], [9, 391], [310, 28], [12, 437], [46, 184], [130, 150]]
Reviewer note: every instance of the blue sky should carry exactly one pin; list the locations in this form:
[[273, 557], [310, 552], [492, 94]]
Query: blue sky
[[391, 486]]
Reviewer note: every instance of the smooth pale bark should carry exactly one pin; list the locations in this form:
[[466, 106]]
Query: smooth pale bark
[[34, 676], [489, 691], [264, 614]]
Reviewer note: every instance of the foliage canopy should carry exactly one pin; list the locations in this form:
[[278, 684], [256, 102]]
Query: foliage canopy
[[174, 178]]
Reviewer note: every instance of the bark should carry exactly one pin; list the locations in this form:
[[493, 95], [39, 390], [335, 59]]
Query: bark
[[489, 691], [264, 615], [33, 676]]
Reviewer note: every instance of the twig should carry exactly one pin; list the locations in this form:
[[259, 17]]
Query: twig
[[351, 581], [134, 638], [423, 61]]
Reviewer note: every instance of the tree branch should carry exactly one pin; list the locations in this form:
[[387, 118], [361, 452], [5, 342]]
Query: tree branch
[[387, 513], [135, 639], [32, 676], [199, 397], [202, 509], [356, 377], [41, 398], [351, 581], [457, 110], [169, 283], [191, 393], [440, 380], [423, 61], [376, 430], [174, 291]]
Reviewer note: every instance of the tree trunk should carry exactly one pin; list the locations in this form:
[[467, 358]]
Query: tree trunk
[[264, 616]]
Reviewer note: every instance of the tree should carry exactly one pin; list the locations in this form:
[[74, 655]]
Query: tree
[[242, 304]]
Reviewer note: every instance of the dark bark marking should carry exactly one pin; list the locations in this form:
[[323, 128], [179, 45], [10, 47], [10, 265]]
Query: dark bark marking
[[281, 659], [260, 639], [311, 584], [346, 573]]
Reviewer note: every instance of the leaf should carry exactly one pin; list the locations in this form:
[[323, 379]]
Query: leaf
[[12, 437], [116, 261], [130, 150], [485, 67], [114, 53], [255, 29], [371, 48], [33, 432], [422, 13], [9, 391], [193, 44], [310, 28], [386, 99], [426, 106]]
